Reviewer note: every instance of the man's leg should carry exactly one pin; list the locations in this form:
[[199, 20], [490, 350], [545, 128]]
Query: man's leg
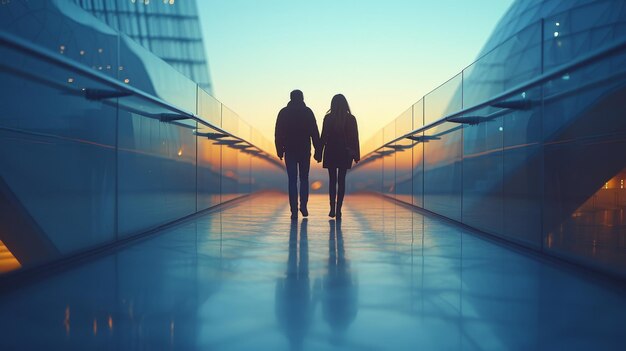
[[292, 173], [304, 166]]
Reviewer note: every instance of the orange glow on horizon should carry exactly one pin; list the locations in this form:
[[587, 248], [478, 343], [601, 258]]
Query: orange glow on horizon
[[316, 185]]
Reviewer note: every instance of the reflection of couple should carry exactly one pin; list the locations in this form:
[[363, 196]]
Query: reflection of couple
[[338, 147], [295, 304]]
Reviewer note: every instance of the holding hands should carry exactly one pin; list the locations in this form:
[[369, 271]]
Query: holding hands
[[317, 156]]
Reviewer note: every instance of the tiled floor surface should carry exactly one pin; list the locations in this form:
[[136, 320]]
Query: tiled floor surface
[[249, 278]]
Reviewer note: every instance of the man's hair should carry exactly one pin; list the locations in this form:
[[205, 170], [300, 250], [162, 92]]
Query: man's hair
[[296, 95]]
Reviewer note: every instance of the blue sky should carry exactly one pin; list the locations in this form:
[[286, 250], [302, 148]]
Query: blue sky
[[382, 55]]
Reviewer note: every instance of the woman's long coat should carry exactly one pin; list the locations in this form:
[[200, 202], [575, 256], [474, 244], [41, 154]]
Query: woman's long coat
[[339, 141]]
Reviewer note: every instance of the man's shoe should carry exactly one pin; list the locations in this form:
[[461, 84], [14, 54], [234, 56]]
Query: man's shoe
[[304, 211]]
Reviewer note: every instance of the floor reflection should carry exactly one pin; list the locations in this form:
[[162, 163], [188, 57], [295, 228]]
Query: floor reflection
[[339, 287], [294, 307]]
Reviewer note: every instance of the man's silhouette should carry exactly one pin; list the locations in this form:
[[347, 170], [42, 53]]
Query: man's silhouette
[[295, 129]]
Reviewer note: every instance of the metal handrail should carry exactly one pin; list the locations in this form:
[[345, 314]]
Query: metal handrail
[[31, 49], [540, 79]]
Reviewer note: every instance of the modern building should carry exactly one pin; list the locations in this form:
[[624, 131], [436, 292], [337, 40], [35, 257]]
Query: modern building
[[523, 144], [138, 212], [169, 29]]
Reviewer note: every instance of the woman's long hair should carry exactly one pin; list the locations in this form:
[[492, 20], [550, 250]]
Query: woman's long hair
[[339, 106], [340, 110]]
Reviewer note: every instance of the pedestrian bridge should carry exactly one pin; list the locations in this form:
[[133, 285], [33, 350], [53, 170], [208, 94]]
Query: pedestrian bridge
[[139, 212]]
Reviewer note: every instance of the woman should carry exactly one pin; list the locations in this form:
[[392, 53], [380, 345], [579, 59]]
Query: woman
[[340, 145]]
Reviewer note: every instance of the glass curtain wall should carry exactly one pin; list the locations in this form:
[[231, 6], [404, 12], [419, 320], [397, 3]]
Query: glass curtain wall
[[169, 29], [524, 144]]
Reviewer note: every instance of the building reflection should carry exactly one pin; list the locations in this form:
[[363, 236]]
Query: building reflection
[[339, 286], [294, 305], [8, 261], [597, 227]]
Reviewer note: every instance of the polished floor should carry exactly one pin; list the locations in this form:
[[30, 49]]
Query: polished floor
[[248, 278]]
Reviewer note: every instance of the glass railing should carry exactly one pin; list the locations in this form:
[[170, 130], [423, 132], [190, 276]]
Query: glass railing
[[523, 144], [101, 141]]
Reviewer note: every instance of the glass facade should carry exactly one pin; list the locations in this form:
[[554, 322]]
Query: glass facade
[[111, 143], [525, 143], [169, 29]]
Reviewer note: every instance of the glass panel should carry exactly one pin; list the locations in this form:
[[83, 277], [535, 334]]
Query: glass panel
[[444, 100], [418, 114], [209, 170], [482, 172], [389, 160], [47, 24], [523, 169], [404, 157], [418, 156], [443, 155], [389, 132], [513, 62], [157, 168], [57, 151], [243, 170], [585, 134], [209, 108], [230, 159], [143, 70], [581, 30], [266, 174], [367, 175], [418, 172]]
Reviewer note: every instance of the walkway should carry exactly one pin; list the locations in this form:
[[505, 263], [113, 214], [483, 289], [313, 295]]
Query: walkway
[[247, 278]]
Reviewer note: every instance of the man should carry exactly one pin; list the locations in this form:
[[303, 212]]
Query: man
[[295, 129]]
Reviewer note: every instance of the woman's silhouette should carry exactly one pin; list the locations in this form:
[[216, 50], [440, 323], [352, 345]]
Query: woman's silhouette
[[340, 145]]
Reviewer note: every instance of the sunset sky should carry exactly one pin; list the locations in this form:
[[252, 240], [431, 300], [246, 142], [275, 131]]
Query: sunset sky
[[382, 55]]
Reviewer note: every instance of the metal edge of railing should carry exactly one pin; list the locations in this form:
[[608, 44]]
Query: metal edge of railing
[[564, 68], [52, 57]]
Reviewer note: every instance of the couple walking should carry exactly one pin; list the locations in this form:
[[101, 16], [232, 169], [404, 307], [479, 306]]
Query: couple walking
[[338, 146]]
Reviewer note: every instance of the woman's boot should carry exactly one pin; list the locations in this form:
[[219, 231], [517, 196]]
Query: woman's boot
[[331, 214], [338, 210]]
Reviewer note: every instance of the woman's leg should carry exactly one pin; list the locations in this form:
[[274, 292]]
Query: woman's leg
[[341, 191], [332, 189]]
